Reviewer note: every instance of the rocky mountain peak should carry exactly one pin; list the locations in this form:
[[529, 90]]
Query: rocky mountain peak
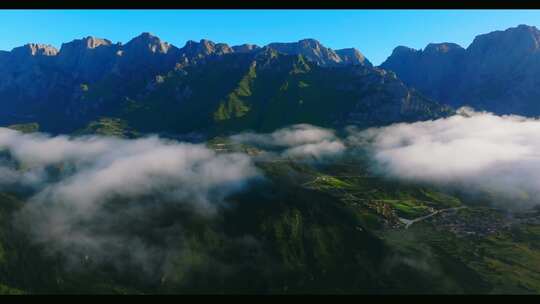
[[515, 40], [444, 47], [205, 47], [311, 49], [310, 43], [401, 55], [35, 49], [82, 45], [401, 49], [223, 48], [496, 72], [149, 42], [146, 37], [352, 56], [295, 46], [207, 44], [245, 48]]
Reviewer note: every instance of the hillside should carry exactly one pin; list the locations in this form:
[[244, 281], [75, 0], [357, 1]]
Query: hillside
[[330, 227]]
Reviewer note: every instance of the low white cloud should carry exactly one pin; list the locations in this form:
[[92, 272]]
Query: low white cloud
[[472, 150], [89, 191], [320, 149], [75, 180], [299, 140]]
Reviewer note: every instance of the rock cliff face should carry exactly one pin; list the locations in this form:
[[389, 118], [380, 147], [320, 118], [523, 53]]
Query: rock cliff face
[[87, 59], [495, 73]]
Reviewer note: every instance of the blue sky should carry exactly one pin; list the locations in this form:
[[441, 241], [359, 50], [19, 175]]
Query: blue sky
[[374, 32]]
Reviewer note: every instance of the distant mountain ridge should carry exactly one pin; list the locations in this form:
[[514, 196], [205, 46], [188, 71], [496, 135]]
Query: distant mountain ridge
[[312, 49], [201, 86], [91, 58], [497, 72]]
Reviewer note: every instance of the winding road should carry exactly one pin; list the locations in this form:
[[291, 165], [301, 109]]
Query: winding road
[[408, 223], [405, 221]]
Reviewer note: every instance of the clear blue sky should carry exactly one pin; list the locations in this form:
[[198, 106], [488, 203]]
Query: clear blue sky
[[374, 32]]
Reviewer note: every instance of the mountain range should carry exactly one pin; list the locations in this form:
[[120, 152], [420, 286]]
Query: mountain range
[[205, 87]]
